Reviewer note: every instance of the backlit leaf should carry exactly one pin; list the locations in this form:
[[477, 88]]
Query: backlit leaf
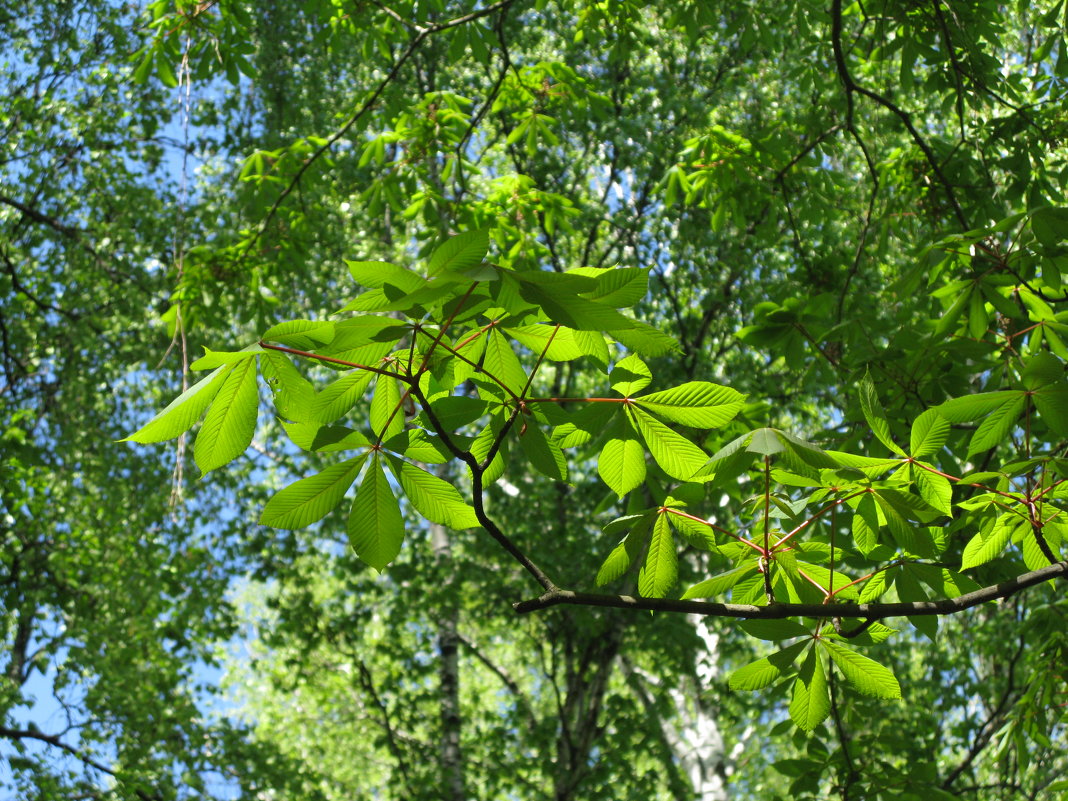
[[310, 499]]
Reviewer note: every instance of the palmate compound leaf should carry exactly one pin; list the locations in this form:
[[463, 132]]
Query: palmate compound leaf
[[811, 702], [375, 524], [310, 499], [231, 420], [182, 412], [758, 675], [866, 675], [661, 568], [698, 404]]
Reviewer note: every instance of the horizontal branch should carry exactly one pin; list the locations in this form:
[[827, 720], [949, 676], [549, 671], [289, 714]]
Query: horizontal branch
[[777, 611]]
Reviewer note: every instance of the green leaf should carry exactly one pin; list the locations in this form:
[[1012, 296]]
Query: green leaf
[[310, 499], [866, 675], [460, 252], [759, 674], [929, 433], [989, 544], [621, 464], [340, 396], [1052, 405], [231, 420], [972, 407], [385, 415], [574, 311], [434, 498], [183, 412], [644, 339], [301, 334], [774, 630], [557, 342], [811, 703], [624, 554], [630, 375], [717, 585], [935, 489], [997, 425], [375, 525], [294, 396], [661, 569], [699, 404], [766, 442], [543, 454], [217, 358], [418, 446], [1041, 370], [619, 287], [501, 363], [874, 414], [377, 274], [315, 437], [678, 457]]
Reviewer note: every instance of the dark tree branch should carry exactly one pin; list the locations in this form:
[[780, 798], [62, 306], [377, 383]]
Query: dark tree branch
[[778, 611]]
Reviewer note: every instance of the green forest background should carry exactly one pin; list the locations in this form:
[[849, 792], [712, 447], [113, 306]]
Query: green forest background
[[850, 213]]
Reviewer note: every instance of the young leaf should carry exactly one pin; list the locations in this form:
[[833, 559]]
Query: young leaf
[[698, 404], [661, 568], [678, 457], [434, 498], [375, 525], [874, 414], [866, 675], [231, 420], [758, 675], [811, 702], [310, 499], [182, 412]]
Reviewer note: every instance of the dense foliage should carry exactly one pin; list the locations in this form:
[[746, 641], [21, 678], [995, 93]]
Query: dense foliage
[[750, 316]]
